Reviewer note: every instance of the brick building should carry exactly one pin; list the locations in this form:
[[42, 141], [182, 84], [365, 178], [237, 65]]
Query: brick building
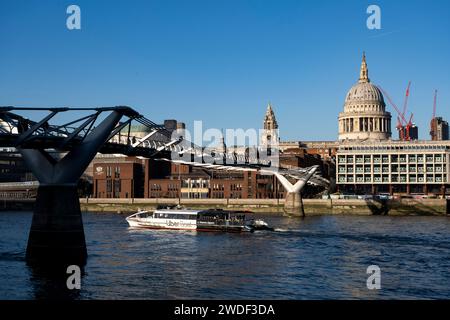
[[118, 179], [128, 177]]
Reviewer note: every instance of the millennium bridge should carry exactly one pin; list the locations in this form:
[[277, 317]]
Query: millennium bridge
[[57, 234]]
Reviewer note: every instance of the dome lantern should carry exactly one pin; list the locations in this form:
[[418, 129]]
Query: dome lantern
[[364, 73]]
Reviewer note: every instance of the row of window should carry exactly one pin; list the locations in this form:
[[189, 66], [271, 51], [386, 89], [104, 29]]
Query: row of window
[[155, 187], [116, 184], [236, 187], [109, 171], [411, 146], [394, 179], [16, 194], [412, 168], [110, 195], [175, 216], [194, 195], [391, 158], [194, 184]]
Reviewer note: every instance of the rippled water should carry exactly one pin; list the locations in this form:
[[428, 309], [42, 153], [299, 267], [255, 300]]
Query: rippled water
[[316, 258]]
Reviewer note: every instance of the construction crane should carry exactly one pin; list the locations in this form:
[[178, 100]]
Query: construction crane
[[405, 130], [402, 125], [409, 125], [433, 123], [405, 103]]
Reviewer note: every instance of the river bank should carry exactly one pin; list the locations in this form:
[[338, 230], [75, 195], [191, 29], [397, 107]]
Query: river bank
[[432, 207], [438, 207]]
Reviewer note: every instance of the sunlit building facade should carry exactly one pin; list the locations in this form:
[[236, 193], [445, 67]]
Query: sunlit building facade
[[394, 167]]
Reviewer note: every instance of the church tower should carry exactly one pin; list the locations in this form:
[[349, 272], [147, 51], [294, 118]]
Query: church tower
[[270, 133]]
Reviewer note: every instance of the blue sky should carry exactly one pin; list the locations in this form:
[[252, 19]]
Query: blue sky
[[223, 61]]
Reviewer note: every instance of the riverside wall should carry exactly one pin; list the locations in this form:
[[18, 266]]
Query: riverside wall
[[311, 206]]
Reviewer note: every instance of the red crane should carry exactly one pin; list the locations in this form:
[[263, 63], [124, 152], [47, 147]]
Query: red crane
[[402, 124], [433, 124], [405, 103], [408, 126]]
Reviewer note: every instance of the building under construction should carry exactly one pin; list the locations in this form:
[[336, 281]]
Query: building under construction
[[438, 126], [412, 132], [439, 129]]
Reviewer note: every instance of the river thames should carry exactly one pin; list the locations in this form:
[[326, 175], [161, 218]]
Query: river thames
[[324, 257]]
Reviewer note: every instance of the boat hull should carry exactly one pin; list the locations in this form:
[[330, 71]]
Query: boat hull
[[140, 225], [170, 225]]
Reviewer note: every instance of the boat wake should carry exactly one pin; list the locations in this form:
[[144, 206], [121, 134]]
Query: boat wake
[[288, 230]]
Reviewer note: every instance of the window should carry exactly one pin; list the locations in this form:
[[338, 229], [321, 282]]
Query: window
[[108, 185], [117, 188]]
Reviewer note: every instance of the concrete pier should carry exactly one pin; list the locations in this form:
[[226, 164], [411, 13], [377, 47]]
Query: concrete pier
[[293, 204], [56, 234]]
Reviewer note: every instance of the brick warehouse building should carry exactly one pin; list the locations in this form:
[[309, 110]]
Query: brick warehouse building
[[118, 178], [134, 178], [129, 177]]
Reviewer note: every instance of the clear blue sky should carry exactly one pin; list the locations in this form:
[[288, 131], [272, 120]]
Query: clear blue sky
[[221, 61]]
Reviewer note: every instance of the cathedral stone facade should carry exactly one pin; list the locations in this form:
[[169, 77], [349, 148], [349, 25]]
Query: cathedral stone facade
[[364, 117]]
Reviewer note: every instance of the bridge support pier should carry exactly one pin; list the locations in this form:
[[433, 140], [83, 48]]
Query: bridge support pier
[[294, 204], [56, 236]]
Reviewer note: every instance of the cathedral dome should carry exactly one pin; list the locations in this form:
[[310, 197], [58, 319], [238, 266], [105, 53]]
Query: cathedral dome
[[364, 115], [364, 92]]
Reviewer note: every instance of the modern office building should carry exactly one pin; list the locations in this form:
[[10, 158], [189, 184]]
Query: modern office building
[[394, 167], [369, 162]]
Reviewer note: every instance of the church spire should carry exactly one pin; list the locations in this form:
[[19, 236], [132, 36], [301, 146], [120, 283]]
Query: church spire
[[269, 136], [270, 122], [364, 73]]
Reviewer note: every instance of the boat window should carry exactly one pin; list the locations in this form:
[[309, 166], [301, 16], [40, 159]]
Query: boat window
[[177, 216]]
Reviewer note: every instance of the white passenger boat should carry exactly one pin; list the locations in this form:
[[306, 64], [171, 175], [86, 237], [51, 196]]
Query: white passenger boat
[[164, 219], [200, 220]]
